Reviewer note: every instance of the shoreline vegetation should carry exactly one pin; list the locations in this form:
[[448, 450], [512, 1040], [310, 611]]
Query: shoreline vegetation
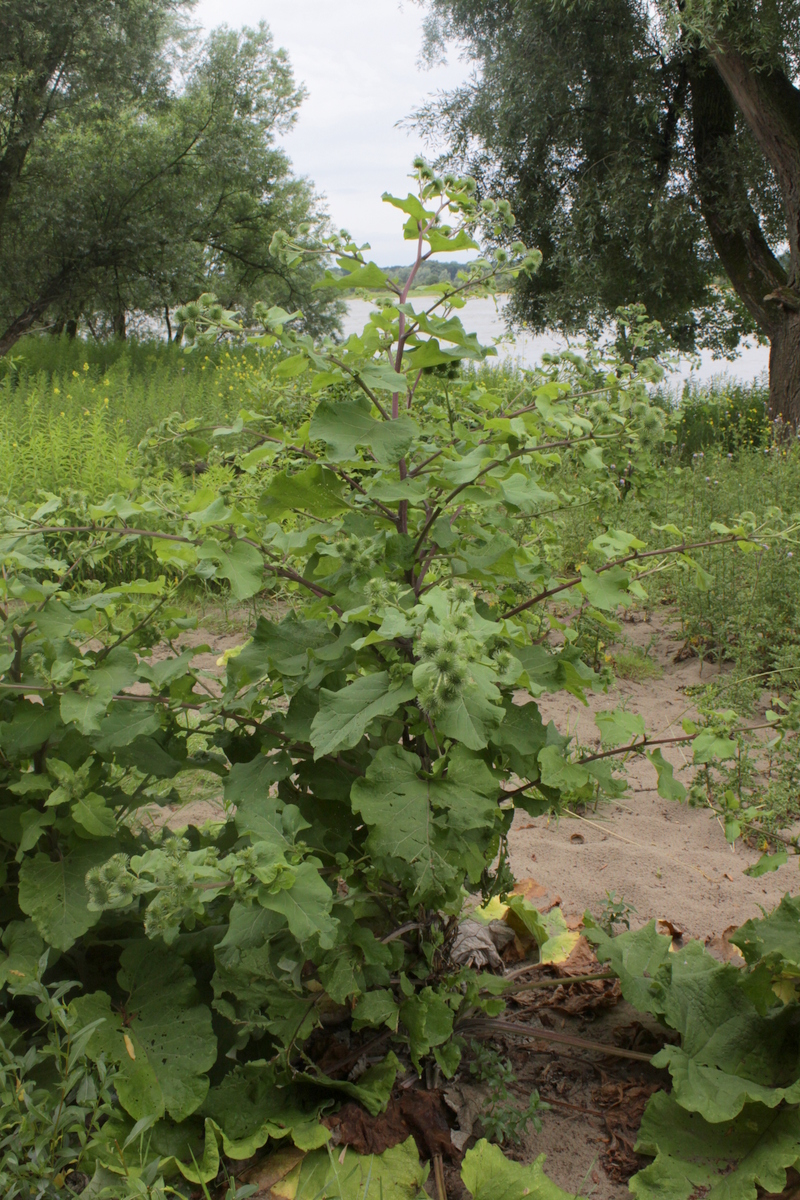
[[427, 281]]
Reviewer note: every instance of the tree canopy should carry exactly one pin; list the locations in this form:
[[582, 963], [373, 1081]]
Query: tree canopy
[[139, 166], [650, 151]]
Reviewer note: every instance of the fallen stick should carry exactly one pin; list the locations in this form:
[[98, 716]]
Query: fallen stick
[[488, 1026]]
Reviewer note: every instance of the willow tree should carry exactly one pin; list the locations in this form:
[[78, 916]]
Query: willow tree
[[651, 151], [140, 166]]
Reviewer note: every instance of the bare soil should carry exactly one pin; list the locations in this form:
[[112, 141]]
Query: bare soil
[[666, 859]]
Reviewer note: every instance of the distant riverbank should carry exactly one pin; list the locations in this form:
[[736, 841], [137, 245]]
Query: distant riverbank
[[482, 316]]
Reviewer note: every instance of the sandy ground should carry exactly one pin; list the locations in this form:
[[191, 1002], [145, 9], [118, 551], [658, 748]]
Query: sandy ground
[[665, 859]]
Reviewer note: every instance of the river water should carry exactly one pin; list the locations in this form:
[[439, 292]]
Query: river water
[[482, 316]]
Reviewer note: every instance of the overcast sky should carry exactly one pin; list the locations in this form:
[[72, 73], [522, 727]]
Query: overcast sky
[[359, 62]]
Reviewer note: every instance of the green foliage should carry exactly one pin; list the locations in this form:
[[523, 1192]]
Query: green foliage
[[160, 180], [54, 1099], [736, 608], [694, 223], [487, 1175], [723, 415], [73, 414], [635, 665], [503, 1119], [364, 739], [394, 1175], [754, 790], [616, 911], [730, 1121]]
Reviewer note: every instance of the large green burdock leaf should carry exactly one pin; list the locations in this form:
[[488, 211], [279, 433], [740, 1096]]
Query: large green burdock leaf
[[306, 905], [428, 1019], [606, 589], [669, 788], [522, 491], [723, 1161], [23, 948], [449, 329], [489, 1175], [162, 1042], [238, 562], [730, 1053], [344, 715], [431, 354], [619, 727], [86, 707], [349, 424], [124, 722], [396, 804], [28, 729], [53, 893], [368, 276], [373, 1089], [249, 1106], [316, 490], [469, 793], [496, 557], [775, 937], [411, 819], [471, 719], [521, 735], [637, 958], [251, 781], [735, 1049], [397, 1174], [282, 649], [557, 772]]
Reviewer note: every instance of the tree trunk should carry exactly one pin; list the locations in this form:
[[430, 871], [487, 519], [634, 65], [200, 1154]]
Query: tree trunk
[[22, 324], [770, 104], [784, 369], [734, 228], [30, 117], [758, 277], [120, 329], [57, 290]]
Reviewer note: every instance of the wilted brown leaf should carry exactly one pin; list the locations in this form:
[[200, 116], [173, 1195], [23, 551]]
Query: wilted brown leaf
[[271, 1171], [622, 1104], [415, 1113]]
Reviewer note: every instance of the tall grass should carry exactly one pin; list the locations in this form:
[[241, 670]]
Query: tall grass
[[72, 413], [745, 609], [722, 413]]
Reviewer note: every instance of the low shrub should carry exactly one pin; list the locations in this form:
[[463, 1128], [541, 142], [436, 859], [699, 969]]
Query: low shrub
[[368, 747]]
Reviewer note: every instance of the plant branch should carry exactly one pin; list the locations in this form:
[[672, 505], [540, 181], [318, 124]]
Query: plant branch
[[101, 654], [354, 375], [635, 555], [486, 1027]]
